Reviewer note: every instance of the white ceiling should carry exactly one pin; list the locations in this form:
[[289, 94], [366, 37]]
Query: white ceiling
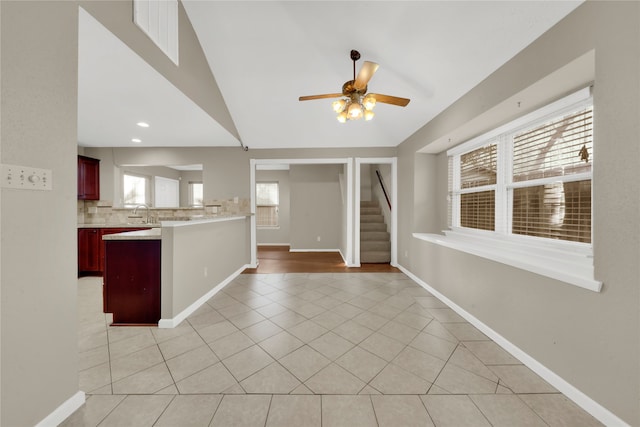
[[266, 54]]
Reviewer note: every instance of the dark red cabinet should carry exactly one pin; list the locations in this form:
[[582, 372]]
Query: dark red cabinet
[[89, 243], [91, 249], [88, 178], [132, 281]]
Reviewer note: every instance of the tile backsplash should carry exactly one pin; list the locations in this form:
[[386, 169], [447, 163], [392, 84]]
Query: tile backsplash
[[103, 212]]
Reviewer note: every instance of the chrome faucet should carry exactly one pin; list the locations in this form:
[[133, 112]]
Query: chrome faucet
[[142, 206]]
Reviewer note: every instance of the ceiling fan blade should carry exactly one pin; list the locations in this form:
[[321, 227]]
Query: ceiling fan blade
[[365, 74], [387, 99], [326, 95]]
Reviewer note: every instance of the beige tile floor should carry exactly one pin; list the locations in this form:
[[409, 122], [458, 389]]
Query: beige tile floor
[[335, 349]]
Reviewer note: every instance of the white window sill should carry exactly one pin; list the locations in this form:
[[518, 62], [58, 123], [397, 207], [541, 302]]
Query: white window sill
[[567, 265]]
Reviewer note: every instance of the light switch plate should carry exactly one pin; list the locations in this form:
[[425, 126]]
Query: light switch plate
[[26, 178]]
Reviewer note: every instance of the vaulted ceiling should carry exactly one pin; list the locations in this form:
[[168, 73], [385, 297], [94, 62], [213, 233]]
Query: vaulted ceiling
[[266, 54]]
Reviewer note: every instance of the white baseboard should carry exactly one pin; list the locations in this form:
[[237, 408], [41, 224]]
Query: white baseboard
[[345, 260], [314, 250], [63, 411], [585, 402], [273, 244], [172, 323]]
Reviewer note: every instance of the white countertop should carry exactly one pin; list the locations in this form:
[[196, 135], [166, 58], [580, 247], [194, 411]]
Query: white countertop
[[151, 234], [204, 220], [118, 225], [156, 232]]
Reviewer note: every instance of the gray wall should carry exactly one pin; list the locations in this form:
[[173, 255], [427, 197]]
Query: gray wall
[[222, 248], [39, 353], [592, 340], [39, 43], [280, 235], [316, 207], [226, 169]]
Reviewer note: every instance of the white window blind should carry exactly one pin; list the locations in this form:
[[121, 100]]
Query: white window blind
[[556, 148], [478, 172], [166, 192], [478, 210], [533, 179], [479, 167], [563, 150]]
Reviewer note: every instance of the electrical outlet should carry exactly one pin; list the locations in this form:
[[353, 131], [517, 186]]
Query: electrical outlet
[[26, 178], [206, 272], [406, 254], [318, 238]]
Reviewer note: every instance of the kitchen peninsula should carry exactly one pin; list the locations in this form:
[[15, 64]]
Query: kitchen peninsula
[[164, 274]]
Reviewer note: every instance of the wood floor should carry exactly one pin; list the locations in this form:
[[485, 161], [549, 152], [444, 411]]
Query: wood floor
[[278, 259]]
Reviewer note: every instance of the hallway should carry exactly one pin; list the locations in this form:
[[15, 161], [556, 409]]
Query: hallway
[[314, 349], [278, 259]]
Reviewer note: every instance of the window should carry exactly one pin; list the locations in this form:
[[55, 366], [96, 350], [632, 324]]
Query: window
[[520, 195], [531, 179], [159, 20], [267, 200], [478, 171], [135, 190], [196, 194], [561, 150], [166, 192]]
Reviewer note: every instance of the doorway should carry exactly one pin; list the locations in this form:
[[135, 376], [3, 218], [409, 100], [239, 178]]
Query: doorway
[[345, 241], [391, 189]]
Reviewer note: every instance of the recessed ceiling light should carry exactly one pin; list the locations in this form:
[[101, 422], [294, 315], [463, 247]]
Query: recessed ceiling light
[[143, 124], [136, 140]]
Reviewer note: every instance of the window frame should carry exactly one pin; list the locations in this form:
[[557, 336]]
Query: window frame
[[147, 189], [276, 206], [503, 138], [191, 187], [567, 261]]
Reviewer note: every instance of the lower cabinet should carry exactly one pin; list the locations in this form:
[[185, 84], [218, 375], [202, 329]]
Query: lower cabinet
[[132, 281], [91, 248], [89, 244]]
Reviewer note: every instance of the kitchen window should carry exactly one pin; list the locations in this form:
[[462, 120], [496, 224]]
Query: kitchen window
[[196, 194], [135, 190], [521, 194], [267, 204]]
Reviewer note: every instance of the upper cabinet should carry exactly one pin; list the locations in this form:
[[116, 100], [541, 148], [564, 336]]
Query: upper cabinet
[[88, 178]]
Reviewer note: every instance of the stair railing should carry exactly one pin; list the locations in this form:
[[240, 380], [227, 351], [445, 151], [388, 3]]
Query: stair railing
[[384, 190]]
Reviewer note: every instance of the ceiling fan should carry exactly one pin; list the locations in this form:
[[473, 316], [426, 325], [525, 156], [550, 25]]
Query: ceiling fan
[[356, 102]]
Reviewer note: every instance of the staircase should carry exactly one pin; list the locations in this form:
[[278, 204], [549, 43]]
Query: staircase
[[375, 243]]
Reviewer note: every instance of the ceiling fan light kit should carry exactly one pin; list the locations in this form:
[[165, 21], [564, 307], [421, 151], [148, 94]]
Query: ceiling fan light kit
[[354, 108], [355, 102]]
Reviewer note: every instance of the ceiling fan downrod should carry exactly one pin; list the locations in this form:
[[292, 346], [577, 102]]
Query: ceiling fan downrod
[[355, 55]]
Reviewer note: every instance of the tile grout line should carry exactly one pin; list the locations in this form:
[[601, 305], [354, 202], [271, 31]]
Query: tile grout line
[[373, 408], [164, 410]]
